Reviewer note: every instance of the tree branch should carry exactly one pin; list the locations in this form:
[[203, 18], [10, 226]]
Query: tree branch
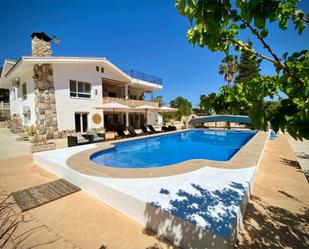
[[268, 48], [254, 52], [304, 19]]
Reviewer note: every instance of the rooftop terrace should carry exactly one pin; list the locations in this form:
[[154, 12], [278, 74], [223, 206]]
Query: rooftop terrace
[[143, 76]]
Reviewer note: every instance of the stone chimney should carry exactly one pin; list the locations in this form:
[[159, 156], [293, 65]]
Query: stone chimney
[[41, 44]]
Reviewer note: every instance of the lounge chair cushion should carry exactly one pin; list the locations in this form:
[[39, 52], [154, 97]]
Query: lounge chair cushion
[[98, 139], [93, 133], [81, 139]]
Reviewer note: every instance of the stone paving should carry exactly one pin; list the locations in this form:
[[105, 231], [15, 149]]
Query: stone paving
[[75, 221], [278, 212], [10, 147]]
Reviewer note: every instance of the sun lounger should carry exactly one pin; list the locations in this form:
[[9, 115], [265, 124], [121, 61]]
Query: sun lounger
[[144, 130], [172, 128], [120, 133], [133, 133], [152, 129], [78, 139], [165, 128], [95, 137]]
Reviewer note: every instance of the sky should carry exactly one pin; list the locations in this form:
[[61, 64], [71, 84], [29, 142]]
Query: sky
[[148, 36]]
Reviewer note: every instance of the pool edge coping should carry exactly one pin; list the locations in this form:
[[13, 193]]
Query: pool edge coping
[[246, 157]]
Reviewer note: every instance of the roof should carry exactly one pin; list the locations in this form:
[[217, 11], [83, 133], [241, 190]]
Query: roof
[[221, 118], [41, 35], [7, 65], [32, 60], [51, 59]]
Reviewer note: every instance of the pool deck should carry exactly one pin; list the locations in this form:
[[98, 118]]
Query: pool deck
[[277, 215], [278, 212], [207, 202], [247, 157]]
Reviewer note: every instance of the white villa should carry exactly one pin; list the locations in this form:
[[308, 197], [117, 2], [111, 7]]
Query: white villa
[[61, 93]]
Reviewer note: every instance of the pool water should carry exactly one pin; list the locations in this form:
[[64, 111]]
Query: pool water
[[174, 148]]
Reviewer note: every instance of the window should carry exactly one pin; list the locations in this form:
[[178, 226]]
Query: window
[[80, 89], [97, 68], [24, 90], [102, 69]]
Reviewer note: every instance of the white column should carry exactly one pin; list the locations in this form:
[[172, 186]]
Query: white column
[[126, 91], [127, 119]]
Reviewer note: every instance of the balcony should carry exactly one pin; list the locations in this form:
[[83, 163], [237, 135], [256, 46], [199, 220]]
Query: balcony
[[143, 76], [129, 102]]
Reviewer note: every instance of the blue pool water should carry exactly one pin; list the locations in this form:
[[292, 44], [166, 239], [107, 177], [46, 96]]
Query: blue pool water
[[174, 148]]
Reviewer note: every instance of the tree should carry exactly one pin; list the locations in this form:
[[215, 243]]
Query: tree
[[207, 103], [248, 67], [228, 68], [183, 105], [218, 25], [160, 100]]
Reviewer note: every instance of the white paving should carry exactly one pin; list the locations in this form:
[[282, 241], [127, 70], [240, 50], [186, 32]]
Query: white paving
[[209, 197]]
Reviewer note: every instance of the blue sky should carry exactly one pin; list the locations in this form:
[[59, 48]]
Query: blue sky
[[149, 36]]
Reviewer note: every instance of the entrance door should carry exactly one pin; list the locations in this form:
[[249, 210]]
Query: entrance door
[[81, 122], [84, 122]]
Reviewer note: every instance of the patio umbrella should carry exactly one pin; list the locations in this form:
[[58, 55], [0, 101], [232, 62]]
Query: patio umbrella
[[147, 108], [114, 106], [167, 109]]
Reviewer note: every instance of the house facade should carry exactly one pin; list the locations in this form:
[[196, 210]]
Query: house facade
[[62, 93]]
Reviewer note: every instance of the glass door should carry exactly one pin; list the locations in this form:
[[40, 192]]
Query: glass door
[[84, 122], [81, 122]]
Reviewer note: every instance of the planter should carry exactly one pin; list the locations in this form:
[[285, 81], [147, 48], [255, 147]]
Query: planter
[[42, 147]]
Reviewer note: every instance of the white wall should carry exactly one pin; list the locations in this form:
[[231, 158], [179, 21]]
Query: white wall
[[154, 119], [17, 105], [67, 106]]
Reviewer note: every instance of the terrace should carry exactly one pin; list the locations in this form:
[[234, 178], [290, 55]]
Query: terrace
[[144, 76]]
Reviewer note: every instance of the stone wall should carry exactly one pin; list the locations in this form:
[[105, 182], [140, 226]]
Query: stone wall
[[45, 101], [41, 47]]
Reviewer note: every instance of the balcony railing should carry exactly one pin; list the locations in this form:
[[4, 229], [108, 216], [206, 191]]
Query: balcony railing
[[129, 102], [143, 76]]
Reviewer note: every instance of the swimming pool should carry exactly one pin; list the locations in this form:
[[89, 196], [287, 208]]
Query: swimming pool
[[173, 148]]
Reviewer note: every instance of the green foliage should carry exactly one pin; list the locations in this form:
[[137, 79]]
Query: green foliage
[[228, 68], [183, 105], [217, 25], [160, 100], [248, 67], [207, 103]]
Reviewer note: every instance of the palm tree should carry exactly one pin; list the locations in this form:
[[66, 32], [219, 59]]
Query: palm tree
[[228, 68]]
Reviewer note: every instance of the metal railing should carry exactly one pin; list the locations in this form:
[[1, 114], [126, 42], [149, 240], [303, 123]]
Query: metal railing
[[143, 76]]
